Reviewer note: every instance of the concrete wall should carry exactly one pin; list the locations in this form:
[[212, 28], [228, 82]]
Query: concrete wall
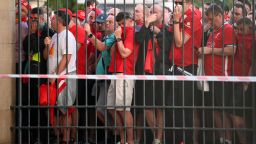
[[7, 63]]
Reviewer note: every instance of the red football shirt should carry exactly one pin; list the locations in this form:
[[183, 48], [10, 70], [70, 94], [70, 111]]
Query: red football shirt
[[124, 65], [83, 54], [217, 65], [243, 56], [195, 31], [79, 34]]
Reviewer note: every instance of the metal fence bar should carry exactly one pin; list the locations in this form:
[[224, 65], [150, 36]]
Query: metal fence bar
[[185, 115]]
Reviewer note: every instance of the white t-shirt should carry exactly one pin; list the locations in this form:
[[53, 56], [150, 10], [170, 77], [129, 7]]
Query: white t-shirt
[[57, 51]]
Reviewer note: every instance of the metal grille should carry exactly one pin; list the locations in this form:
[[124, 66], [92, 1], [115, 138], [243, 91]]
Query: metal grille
[[147, 39]]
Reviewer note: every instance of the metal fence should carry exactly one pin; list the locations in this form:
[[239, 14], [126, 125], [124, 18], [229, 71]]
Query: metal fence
[[180, 72]]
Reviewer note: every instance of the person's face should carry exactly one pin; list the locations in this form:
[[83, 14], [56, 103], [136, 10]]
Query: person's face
[[250, 15], [182, 4], [125, 23], [34, 21], [247, 7], [54, 23], [206, 7], [91, 17], [237, 13], [91, 6], [166, 16], [113, 11], [100, 26], [138, 14], [243, 29], [24, 11], [110, 23], [214, 20], [158, 11]]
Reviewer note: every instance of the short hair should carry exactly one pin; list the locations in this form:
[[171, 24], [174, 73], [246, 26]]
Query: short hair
[[245, 21], [123, 15], [91, 2], [37, 10], [145, 8], [65, 19], [239, 5], [246, 2], [214, 9], [226, 8], [208, 3]]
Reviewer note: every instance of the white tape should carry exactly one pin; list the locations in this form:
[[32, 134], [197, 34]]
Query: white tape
[[137, 77]]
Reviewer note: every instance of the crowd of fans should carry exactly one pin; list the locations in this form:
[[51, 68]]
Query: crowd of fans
[[150, 40]]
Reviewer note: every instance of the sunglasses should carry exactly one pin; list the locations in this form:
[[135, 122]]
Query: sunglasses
[[34, 19]]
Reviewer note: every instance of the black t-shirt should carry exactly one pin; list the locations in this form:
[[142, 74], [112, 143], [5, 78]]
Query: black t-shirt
[[34, 43]]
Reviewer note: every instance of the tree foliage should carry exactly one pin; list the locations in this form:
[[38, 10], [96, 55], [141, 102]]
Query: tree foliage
[[70, 4]]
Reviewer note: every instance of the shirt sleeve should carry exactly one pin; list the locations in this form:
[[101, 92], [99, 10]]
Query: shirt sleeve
[[71, 45], [129, 40], [229, 36], [80, 35], [189, 28]]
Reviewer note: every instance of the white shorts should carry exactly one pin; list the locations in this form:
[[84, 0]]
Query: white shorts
[[120, 94], [67, 96]]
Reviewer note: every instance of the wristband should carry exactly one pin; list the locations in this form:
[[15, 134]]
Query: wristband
[[176, 22], [118, 39], [90, 35]]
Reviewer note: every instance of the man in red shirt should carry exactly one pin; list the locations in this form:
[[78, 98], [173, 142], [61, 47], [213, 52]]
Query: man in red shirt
[[242, 67], [217, 62], [187, 28], [122, 62]]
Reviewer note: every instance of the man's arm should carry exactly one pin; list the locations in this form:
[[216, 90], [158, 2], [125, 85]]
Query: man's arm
[[62, 65], [47, 42], [97, 43], [124, 52], [178, 36], [227, 50]]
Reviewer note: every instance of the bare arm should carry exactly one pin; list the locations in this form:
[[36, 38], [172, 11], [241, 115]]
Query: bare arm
[[97, 43], [124, 52], [178, 36], [47, 42], [227, 51], [64, 61]]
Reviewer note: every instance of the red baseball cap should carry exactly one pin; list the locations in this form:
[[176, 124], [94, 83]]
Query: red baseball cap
[[69, 12], [97, 11], [25, 4], [80, 15]]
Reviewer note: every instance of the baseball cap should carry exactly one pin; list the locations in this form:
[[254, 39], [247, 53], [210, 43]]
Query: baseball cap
[[25, 4], [97, 11], [69, 12], [80, 15], [101, 18]]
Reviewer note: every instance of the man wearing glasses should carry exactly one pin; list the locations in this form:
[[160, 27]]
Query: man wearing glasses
[[187, 28]]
